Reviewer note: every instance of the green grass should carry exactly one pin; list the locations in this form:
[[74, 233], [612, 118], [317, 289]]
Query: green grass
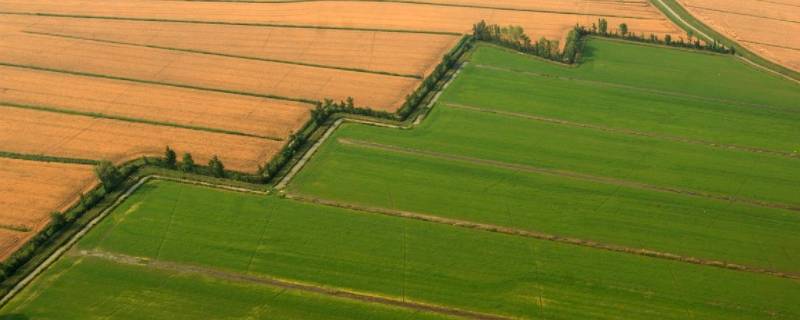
[[588, 151], [593, 103], [606, 213], [483, 271], [661, 68], [91, 288], [615, 211]]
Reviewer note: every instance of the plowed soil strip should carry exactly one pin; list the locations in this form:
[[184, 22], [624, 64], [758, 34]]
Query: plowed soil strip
[[285, 284], [135, 120], [543, 236], [568, 174], [226, 55], [624, 131]]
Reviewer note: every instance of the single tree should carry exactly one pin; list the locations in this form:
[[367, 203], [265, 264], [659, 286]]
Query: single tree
[[668, 39], [216, 167], [187, 165], [623, 29], [603, 25], [689, 35], [108, 174], [170, 158]]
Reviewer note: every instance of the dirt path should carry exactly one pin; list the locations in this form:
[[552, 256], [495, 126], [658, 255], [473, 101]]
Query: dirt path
[[626, 131], [544, 236], [569, 174], [284, 284]]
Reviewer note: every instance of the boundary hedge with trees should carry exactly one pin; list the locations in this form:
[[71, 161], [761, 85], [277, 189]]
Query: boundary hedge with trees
[[514, 37]]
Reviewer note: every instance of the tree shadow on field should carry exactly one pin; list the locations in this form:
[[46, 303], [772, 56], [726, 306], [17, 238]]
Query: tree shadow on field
[[588, 52], [15, 316]]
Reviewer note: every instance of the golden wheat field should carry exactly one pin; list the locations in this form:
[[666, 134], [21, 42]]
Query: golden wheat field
[[29, 191], [769, 28]]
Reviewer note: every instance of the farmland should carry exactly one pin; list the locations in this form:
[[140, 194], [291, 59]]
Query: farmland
[[169, 227], [391, 160], [38, 132], [30, 191], [768, 28], [121, 80]]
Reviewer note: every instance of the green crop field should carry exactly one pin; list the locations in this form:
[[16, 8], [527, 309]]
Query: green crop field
[[179, 229], [616, 189]]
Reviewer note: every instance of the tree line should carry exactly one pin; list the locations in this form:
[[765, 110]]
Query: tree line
[[514, 37]]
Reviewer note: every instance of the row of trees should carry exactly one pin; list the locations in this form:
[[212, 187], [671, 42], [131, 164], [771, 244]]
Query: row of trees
[[514, 37], [601, 28], [170, 161]]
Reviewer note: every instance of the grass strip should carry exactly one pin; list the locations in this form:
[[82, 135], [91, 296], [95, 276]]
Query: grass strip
[[437, 4], [176, 85], [542, 236], [46, 158], [621, 131], [135, 120], [268, 25], [313, 65]]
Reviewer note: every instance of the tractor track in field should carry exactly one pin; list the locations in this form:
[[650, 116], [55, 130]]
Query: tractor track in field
[[630, 87], [542, 236], [625, 131], [569, 174], [283, 284]]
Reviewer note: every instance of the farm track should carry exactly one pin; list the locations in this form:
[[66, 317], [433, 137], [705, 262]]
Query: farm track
[[568, 174], [626, 131], [438, 4], [629, 87], [743, 14], [283, 284], [203, 52], [229, 23], [175, 85], [542, 236], [134, 120]]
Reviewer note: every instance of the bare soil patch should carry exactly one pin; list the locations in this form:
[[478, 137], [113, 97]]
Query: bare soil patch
[[36, 132], [30, 190]]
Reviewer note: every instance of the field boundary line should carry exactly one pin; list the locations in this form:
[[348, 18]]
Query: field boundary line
[[568, 174], [151, 82], [743, 14], [284, 182], [227, 55], [47, 158], [435, 4], [134, 120], [540, 236], [624, 131], [285, 284], [230, 23], [641, 89]]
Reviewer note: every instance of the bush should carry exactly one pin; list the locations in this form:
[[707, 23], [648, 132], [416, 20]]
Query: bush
[[108, 174]]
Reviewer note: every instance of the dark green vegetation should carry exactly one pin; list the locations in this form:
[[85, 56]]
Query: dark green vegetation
[[696, 156], [190, 241]]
